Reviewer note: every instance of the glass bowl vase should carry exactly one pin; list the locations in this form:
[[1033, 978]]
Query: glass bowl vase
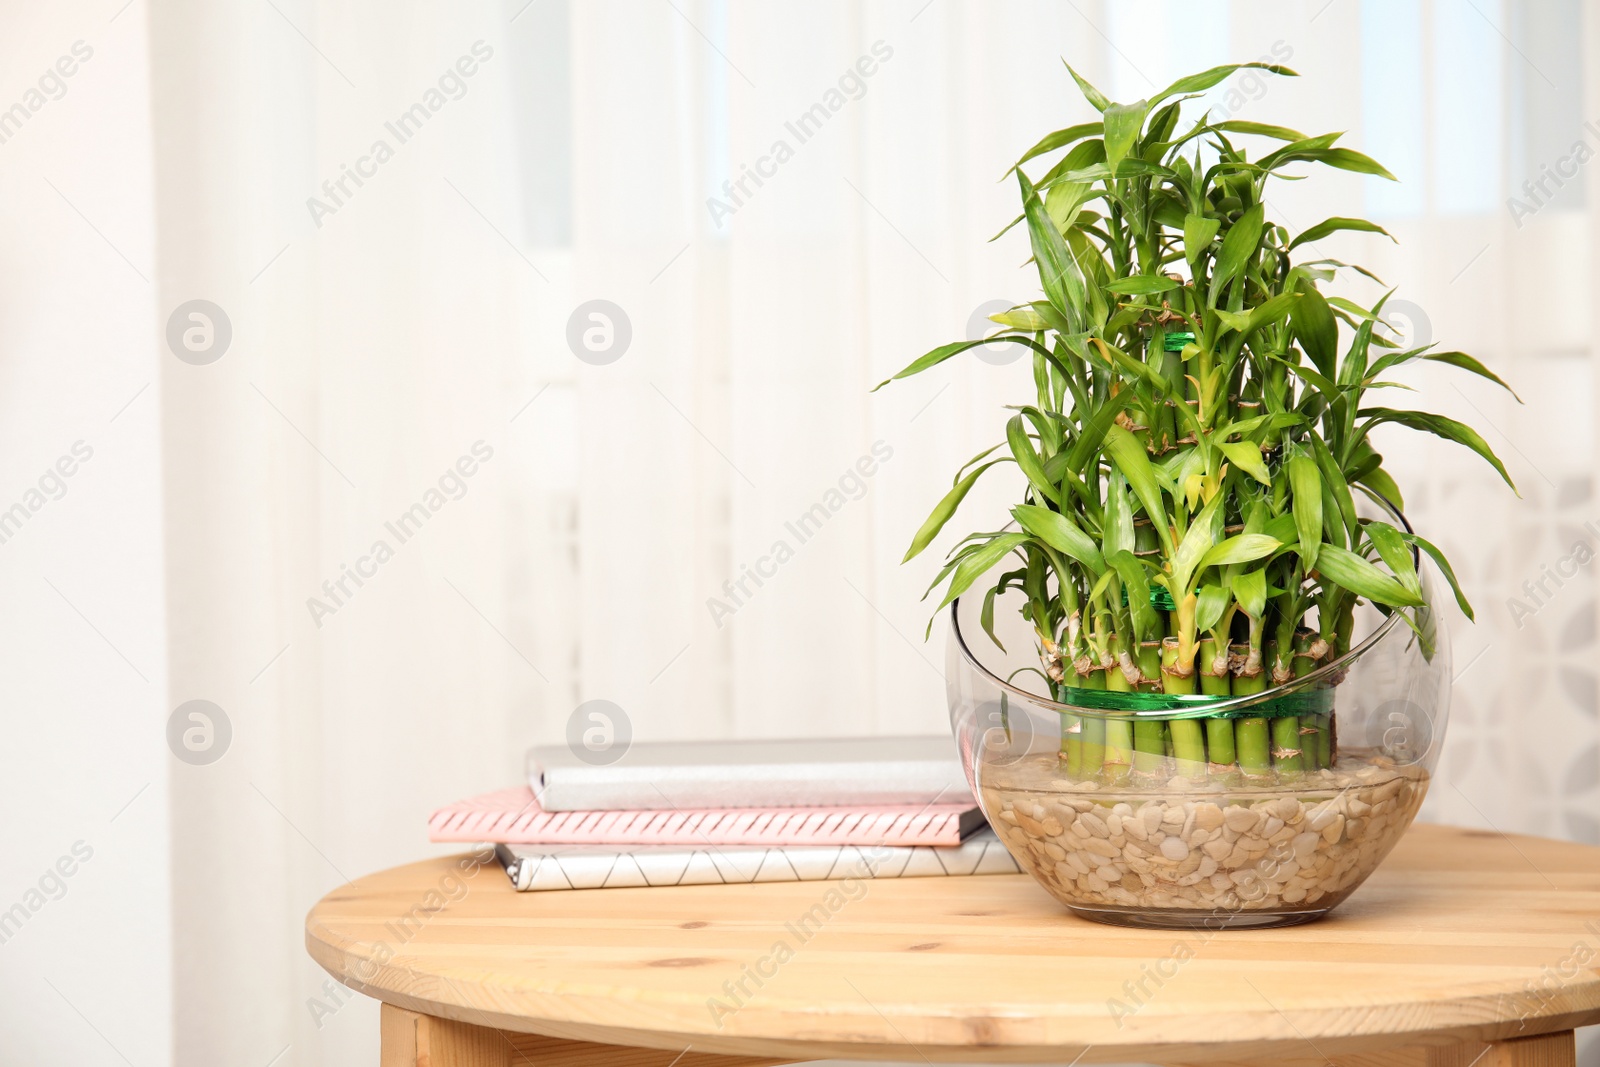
[[1090, 797]]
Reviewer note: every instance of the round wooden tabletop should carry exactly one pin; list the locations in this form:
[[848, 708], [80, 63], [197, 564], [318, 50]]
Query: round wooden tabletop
[[1461, 934]]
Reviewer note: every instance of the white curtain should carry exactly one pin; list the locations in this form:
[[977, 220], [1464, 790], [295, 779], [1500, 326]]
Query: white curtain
[[705, 528]]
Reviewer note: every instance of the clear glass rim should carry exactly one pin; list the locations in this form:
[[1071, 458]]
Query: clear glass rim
[[1198, 711]]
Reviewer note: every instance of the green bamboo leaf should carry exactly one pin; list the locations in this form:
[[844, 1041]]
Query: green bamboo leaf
[[1355, 310], [1122, 125], [1233, 320], [1199, 83], [978, 562], [1392, 550], [1239, 245], [1466, 363], [1135, 368], [1354, 366], [1333, 480], [945, 509], [1101, 584], [1278, 420], [1439, 426], [1352, 371], [1063, 200], [1079, 158], [1213, 602], [1329, 390], [1142, 285], [1444, 566], [1347, 159], [1261, 129], [1240, 548], [1096, 98], [1058, 271], [1116, 525], [1093, 437], [1047, 426], [1378, 481], [1263, 314], [1059, 139], [1198, 233], [1129, 167], [1316, 329], [1168, 210], [1395, 359], [1306, 485], [1134, 579], [1021, 318], [1296, 150], [1158, 131], [1332, 225], [979, 458], [1247, 457], [1032, 466], [1349, 571], [1007, 228], [944, 352], [1281, 528], [1250, 590], [937, 356], [1060, 533], [970, 544], [1189, 559], [1133, 461], [986, 617]]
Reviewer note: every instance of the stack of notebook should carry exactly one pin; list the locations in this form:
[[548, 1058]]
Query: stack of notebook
[[733, 811]]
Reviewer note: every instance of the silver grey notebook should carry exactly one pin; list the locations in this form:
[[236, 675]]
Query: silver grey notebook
[[536, 867], [836, 772]]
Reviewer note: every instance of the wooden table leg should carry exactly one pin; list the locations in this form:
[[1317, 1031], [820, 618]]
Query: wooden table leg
[[413, 1040], [1543, 1050]]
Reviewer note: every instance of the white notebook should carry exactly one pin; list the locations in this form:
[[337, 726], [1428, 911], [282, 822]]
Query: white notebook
[[667, 775], [539, 867]]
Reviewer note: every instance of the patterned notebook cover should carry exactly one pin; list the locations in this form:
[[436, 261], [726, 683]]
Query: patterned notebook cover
[[513, 816], [534, 868]]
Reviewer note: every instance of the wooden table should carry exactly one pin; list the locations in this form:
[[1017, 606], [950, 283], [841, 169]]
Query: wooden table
[[1462, 937]]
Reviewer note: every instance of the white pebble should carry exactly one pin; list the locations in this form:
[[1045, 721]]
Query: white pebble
[[1174, 849], [1239, 818]]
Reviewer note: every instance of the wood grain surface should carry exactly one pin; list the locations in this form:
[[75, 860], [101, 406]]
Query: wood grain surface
[[1461, 936]]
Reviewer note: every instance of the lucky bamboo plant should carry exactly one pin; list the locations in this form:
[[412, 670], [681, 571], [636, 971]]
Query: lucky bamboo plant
[[1196, 440]]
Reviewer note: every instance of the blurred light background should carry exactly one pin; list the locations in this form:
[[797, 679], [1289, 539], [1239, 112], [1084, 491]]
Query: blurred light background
[[382, 329]]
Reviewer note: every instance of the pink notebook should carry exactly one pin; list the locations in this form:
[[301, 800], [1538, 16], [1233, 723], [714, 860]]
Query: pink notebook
[[513, 817]]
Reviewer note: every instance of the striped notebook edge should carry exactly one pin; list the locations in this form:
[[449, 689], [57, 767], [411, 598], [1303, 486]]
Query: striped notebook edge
[[513, 816], [535, 868]]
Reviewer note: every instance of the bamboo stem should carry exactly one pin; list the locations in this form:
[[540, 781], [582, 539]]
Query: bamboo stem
[[1311, 741], [1189, 747], [1255, 747], [1150, 747], [1219, 731], [1072, 744], [1286, 747], [1118, 763], [1177, 673], [1094, 747], [1119, 751], [1149, 661]]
